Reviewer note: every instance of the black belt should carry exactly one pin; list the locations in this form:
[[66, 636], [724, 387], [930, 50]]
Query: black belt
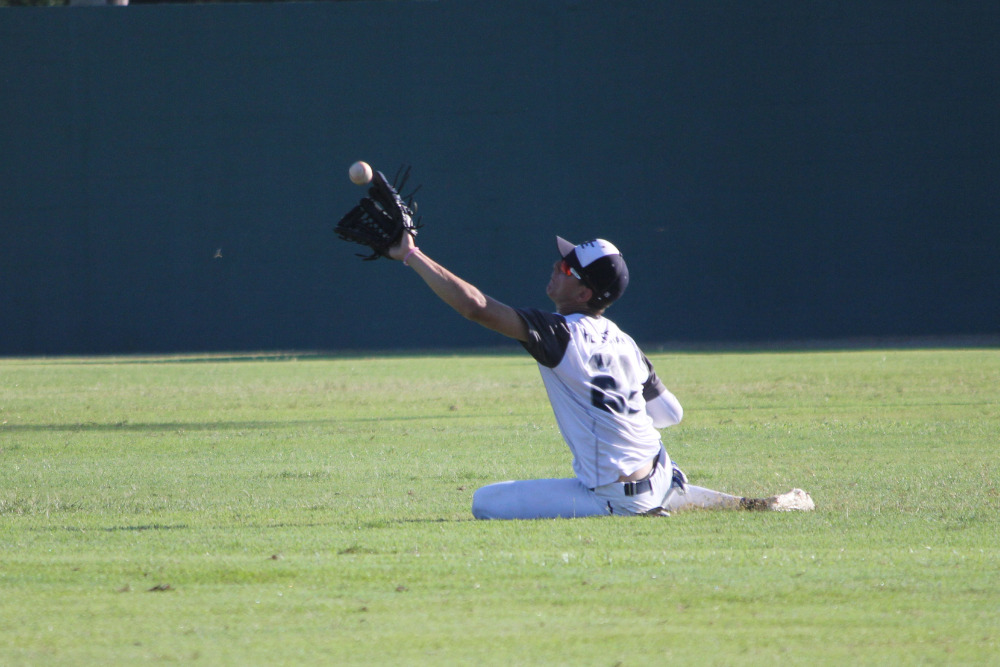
[[644, 485]]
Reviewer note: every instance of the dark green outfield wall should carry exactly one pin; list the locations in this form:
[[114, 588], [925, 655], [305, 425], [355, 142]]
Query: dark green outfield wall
[[771, 170]]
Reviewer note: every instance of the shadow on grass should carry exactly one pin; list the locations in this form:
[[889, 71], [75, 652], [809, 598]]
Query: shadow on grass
[[766, 346], [222, 425], [280, 356], [114, 529], [381, 523]]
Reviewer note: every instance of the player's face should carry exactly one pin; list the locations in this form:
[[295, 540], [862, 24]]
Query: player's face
[[564, 287], [560, 273]]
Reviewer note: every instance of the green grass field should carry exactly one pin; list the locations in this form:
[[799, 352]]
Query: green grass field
[[316, 511]]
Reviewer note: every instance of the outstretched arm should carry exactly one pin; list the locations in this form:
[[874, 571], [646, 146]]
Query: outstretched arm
[[464, 297]]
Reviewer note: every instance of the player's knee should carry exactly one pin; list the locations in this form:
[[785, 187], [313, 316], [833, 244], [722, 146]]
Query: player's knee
[[485, 502], [480, 503]]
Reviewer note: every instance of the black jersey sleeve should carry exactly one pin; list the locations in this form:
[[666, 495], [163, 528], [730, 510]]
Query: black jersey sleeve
[[653, 386], [548, 333]]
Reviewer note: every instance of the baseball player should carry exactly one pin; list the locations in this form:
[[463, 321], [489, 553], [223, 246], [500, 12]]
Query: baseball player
[[604, 392]]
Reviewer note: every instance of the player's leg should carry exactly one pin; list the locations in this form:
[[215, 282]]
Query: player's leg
[[537, 499], [697, 497]]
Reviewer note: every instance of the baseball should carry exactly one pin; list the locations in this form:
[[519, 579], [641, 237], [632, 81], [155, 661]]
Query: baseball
[[360, 172]]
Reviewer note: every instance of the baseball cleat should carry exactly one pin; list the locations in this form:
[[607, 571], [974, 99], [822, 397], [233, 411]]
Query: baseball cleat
[[795, 500]]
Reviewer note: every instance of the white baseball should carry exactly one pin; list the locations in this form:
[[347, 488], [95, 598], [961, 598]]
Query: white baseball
[[361, 173]]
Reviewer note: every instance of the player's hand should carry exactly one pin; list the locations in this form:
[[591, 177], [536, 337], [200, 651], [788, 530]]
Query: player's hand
[[406, 243]]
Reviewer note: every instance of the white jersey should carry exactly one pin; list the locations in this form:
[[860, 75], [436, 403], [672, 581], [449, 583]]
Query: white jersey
[[598, 382]]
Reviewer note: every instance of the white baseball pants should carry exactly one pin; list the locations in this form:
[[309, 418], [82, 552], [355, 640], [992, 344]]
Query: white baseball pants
[[569, 498]]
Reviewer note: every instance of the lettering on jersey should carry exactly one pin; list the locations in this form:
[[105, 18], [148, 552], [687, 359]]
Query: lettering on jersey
[[605, 338], [600, 362]]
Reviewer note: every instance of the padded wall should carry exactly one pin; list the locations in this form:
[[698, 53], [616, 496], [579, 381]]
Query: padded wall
[[776, 170]]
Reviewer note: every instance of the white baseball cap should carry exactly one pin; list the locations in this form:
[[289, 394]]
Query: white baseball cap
[[599, 265]]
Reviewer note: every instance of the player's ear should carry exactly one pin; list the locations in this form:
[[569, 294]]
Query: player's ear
[[585, 294]]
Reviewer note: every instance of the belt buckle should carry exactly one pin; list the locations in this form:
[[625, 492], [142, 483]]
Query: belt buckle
[[638, 488]]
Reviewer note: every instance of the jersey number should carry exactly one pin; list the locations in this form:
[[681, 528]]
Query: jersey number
[[604, 395]]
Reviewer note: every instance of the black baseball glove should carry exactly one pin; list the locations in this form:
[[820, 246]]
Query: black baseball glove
[[380, 219]]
